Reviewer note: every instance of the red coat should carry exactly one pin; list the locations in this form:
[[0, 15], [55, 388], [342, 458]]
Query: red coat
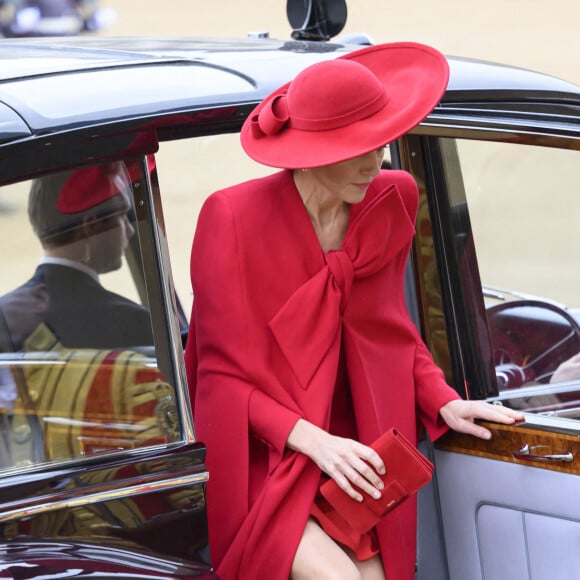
[[270, 311]]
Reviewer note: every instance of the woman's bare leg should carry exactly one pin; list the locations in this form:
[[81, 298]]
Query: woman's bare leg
[[319, 557], [371, 569]]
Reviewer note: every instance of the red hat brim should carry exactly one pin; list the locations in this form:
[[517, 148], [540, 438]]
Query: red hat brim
[[415, 77]]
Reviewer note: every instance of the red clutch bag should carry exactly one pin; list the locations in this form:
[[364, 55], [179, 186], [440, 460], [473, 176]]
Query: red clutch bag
[[407, 471]]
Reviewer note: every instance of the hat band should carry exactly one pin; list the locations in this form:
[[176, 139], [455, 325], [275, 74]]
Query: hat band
[[275, 116]]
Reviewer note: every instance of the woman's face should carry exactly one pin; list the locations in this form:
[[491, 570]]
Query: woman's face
[[349, 180]]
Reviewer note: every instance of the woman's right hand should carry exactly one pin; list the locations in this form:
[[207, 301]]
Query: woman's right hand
[[348, 462]]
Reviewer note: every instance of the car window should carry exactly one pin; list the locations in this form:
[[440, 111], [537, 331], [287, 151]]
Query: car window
[[78, 364], [524, 209]]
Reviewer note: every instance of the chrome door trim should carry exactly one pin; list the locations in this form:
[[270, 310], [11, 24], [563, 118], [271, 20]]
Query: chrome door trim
[[99, 493]]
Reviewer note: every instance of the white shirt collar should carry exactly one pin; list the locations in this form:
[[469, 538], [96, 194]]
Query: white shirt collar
[[70, 264]]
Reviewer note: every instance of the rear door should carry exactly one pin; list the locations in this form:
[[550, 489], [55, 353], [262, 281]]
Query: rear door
[[498, 290], [97, 450]]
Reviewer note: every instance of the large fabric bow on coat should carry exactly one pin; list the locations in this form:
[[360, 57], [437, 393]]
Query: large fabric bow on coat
[[308, 326]]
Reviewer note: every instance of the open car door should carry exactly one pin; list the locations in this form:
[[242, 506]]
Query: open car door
[[498, 289]]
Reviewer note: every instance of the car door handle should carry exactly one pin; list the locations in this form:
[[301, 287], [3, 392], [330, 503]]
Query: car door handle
[[527, 453]]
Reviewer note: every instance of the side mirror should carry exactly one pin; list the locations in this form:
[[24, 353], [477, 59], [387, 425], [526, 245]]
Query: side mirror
[[316, 19]]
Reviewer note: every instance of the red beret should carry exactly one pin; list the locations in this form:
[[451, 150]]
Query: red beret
[[91, 186]]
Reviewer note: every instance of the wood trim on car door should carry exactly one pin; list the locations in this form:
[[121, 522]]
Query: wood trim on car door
[[509, 439]]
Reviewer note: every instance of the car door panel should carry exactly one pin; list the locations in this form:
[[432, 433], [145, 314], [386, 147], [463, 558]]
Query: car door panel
[[500, 520]]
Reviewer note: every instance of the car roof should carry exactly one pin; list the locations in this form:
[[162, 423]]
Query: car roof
[[62, 84]]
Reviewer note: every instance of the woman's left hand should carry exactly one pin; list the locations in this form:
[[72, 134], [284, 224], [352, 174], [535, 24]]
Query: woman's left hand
[[460, 416]]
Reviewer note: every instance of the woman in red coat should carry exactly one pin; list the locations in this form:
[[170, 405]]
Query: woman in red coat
[[301, 352]]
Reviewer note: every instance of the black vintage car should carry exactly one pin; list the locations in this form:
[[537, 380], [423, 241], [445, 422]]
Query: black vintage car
[[100, 470]]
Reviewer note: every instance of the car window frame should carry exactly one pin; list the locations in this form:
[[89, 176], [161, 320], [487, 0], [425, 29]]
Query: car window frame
[[460, 346], [167, 315]]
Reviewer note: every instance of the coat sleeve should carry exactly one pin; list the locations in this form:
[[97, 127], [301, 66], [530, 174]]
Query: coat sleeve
[[222, 352], [431, 391]]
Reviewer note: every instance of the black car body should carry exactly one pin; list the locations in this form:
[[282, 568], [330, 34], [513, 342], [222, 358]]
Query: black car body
[[121, 488]]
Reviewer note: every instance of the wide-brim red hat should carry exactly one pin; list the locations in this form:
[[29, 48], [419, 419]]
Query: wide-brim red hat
[[335, 110]]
